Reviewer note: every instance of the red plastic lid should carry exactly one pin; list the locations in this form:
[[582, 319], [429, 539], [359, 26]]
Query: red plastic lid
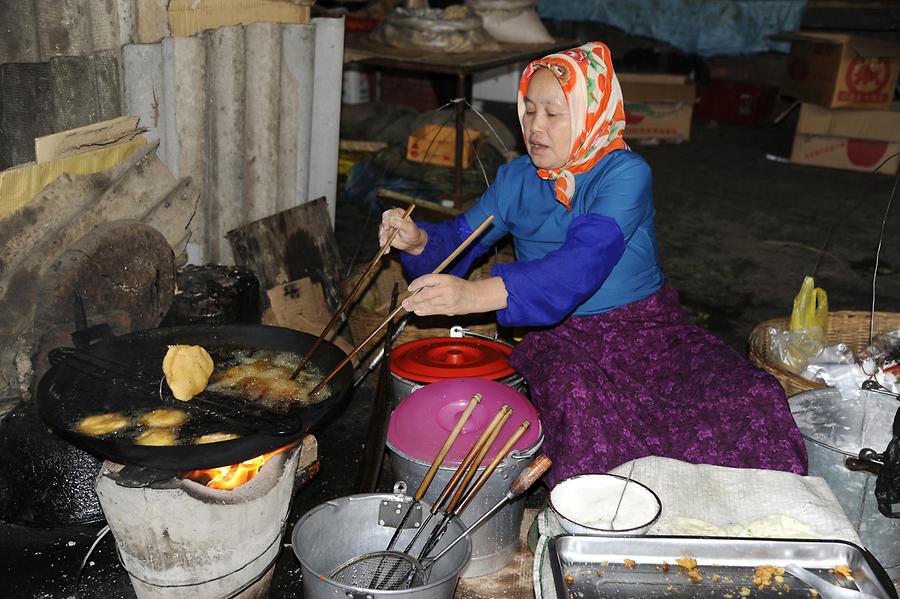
[[439, 358], [423, 420]]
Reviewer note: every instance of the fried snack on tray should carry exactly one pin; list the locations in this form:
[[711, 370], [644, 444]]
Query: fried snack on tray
[[157, 437], [764, 576], [215, 438], [163, 418], [102, 424], [187, 369]]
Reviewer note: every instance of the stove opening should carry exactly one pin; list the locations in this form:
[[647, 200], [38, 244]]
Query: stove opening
[[228, 478]]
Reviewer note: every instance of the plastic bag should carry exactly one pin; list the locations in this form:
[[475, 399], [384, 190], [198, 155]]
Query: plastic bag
[[810, 308], [794, 350], [884, 352], [796, 347]]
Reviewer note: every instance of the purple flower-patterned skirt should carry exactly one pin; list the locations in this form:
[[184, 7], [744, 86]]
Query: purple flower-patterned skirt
[[642, 380]]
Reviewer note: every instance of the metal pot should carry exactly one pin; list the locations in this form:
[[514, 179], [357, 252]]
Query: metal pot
[[463, 354], [341, 529], [843, 439], [418, 427]]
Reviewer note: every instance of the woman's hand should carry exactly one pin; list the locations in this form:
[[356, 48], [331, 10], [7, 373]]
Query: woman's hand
[[410, 238], [452, 296]]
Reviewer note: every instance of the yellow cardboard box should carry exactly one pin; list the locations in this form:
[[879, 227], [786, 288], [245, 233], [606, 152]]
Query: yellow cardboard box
[[857, 140], [657, 106], [839, 70], [156, 19], [433, 144]]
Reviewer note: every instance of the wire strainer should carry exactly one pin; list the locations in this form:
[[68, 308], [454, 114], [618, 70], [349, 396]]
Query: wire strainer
[[381, 570]]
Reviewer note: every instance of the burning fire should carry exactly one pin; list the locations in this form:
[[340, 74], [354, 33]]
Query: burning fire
[[232, 477]]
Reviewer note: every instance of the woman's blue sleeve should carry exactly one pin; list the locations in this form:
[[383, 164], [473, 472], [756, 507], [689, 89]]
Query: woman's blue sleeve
[[543, 292], [443, 238]]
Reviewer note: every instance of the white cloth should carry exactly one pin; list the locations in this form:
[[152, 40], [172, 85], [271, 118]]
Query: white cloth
[[722, 502]]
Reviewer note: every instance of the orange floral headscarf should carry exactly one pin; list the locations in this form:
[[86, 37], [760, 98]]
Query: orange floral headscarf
[[595, 107]]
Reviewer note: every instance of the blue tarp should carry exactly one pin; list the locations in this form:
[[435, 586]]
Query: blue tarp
[[705, 27]]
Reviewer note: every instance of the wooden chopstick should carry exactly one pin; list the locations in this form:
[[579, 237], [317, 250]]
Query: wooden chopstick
[[350, 297], [501, 455], [468, 240]]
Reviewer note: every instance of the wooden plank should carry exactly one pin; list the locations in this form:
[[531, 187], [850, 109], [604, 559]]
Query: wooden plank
[[87, 138], [290, 245], [404, 200]]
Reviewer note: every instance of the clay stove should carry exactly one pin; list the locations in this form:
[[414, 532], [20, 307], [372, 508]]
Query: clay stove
[[177, 537]]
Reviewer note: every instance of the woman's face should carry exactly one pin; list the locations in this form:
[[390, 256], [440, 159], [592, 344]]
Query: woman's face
[[547, 123]]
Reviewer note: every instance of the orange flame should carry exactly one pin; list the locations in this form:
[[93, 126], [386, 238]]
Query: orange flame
[[232, 477]]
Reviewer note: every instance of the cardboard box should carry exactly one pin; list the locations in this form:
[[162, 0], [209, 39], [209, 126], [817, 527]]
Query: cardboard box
[[735, 101], [156, 19], [433, 144], [857, 140], [657, 106], [838, 70]]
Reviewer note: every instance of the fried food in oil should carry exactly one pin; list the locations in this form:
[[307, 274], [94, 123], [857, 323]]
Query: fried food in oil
[[268, 383], [163, 418], [157, 437], [102, 424], [216, 438]]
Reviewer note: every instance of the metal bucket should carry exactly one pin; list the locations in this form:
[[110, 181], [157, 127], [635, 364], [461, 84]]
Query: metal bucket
[[402, 386], [493, 542], [341, 529], [835, 432]]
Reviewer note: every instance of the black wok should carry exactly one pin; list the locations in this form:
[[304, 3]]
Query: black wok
[[66, 394]]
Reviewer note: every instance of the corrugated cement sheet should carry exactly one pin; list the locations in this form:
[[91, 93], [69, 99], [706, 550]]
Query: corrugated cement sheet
[[38, 30], [236, 108]]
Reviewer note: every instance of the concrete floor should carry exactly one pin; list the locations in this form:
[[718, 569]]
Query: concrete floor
[[737, 234]]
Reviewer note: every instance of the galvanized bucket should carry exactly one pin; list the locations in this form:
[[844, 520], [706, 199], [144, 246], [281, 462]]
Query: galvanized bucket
[[344, 528], [837, 433], [494, 542]]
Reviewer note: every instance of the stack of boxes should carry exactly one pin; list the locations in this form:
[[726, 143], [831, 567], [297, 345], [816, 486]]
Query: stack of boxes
[[846, 85]]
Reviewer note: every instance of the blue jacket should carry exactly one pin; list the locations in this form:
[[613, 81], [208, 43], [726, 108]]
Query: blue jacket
[[600, 255]]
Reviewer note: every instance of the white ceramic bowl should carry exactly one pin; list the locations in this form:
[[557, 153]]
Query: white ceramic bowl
[[585, 505]]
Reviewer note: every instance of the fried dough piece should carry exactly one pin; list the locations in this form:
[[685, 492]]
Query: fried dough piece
[[157, 437], [216, 438], [163, 418], [102, 424], [187, 369]]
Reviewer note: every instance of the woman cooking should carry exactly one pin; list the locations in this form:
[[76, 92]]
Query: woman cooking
[[612, 363]]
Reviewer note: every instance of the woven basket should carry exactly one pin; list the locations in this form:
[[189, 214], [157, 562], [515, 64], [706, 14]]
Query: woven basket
[[373, 302], [847, 326]]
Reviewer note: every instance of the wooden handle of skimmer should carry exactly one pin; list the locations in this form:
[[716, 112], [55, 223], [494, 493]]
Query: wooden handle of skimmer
[[501, 455], [473, 451], [439, 458], [527, 477], [391, 316], [476, 463], [359, 283]]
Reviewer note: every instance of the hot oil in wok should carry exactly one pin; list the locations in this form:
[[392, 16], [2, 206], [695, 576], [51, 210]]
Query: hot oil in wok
[[261, 376], [264, 376]]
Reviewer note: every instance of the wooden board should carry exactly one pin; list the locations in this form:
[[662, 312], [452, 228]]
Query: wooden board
[[293, 244], [84, 139]]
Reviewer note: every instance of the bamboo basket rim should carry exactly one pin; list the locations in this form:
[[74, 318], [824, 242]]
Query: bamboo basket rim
[[844, 326]]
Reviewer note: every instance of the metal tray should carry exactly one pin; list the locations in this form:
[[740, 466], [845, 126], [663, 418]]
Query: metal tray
[[586, 567]]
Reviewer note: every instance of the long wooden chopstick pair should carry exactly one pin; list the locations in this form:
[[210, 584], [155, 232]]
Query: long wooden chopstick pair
[[463, 496], [468, 240], [499, 419], [350, 297]]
